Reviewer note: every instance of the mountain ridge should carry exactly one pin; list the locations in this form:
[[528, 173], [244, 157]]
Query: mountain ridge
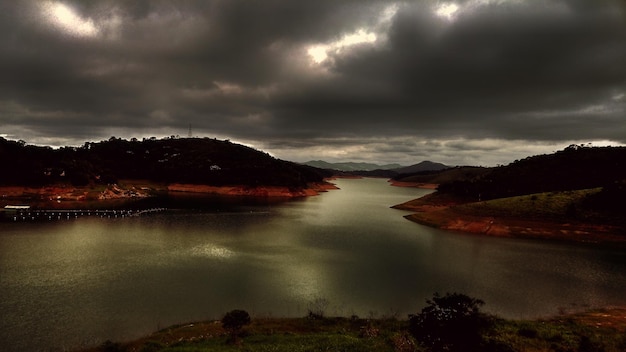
[[423, 166], [349, 166]]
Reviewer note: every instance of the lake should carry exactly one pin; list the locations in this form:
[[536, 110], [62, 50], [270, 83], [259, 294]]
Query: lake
[[80, 282]]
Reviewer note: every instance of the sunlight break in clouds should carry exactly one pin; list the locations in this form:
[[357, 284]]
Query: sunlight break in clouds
[[319, 53], [447, 10], [66, 19]]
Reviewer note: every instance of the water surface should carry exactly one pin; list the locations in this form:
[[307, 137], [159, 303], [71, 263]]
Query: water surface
[[74, 283]]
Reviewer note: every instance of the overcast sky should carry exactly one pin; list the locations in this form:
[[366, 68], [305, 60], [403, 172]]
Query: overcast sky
[[480, 82]]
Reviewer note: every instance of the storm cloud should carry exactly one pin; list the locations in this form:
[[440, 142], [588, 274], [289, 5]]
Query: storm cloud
[[464, 82]]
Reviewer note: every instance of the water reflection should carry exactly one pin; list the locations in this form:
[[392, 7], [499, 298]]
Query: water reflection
[[212, 251]]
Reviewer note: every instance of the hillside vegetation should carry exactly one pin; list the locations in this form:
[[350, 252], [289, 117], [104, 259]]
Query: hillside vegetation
[[576, 194], [576, 167], [558, 206], [458, 173], [181, 160]]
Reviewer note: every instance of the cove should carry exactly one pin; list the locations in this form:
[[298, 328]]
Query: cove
[[77, 283]]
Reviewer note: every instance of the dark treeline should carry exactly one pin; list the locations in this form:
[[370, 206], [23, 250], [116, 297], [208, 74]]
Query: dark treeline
[[457, 173], [575, 167], [184, 160]]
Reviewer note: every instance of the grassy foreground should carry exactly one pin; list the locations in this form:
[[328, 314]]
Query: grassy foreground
[[599, 330]]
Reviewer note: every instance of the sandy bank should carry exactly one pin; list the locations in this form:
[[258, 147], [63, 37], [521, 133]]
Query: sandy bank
[[261, 191]]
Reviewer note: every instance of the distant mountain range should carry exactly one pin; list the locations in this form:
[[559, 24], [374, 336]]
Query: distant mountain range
[[350, 166], [395, 168]]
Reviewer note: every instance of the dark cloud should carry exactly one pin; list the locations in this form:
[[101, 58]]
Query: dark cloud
[[482, 70], [391, 82]]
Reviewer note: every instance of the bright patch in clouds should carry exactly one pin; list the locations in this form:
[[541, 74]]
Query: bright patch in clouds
[[228, 88], [357, 38], [319, 53], [447, 10], [66, 19], [388, 13]]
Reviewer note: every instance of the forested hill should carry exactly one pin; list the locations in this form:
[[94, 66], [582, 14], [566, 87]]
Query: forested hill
[[181, 160], [576, 167]]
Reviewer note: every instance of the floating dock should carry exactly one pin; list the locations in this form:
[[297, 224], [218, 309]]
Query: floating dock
[[27, 214]]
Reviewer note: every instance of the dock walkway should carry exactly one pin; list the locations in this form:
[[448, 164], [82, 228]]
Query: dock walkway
[[68, 214]]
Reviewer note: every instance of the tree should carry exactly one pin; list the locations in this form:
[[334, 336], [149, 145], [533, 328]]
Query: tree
[[450, 323], [233, 321]]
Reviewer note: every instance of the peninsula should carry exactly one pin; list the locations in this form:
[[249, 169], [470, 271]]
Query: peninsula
[[577, 194], [117, 170]]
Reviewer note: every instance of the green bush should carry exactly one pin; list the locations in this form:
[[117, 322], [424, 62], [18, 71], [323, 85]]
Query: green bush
[[234, 320], [450, 323]]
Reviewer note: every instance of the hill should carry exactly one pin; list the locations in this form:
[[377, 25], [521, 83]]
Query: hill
[[457, 173], [375, 170], [423, 166], [574, 168], [351, 166], [172, 160], [576, 194]]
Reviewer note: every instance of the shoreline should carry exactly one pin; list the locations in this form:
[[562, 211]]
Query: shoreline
[[261, 191], [395, 183], [130, 191], [446, 212]]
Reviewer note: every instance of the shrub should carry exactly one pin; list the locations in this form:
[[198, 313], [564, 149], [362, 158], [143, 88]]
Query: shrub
[[317, 308], [450, 323], [234, 320]]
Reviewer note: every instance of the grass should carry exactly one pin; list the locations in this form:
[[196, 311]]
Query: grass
[[548, 206], [593, 331], [562, 216], [320, 334], [559, 334], [287, 343]]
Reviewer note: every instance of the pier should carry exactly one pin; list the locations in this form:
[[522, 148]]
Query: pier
[[23, 215]]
